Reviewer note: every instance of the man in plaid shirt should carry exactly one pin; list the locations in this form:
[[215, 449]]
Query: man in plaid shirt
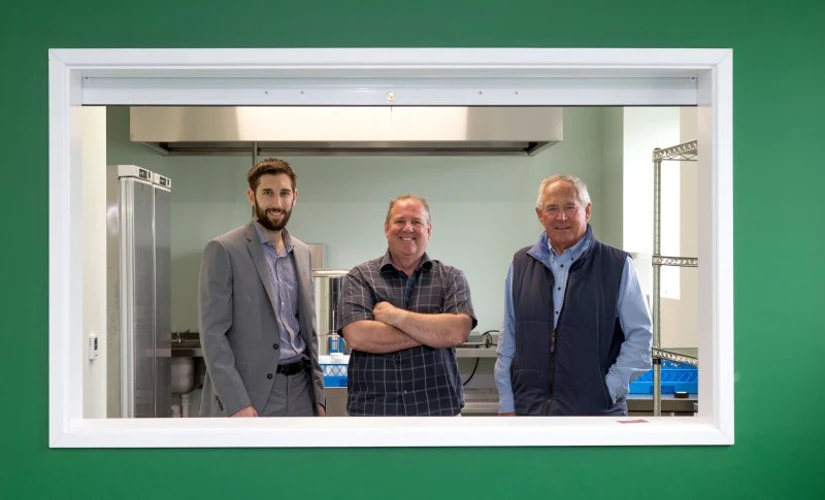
[[402, 315]]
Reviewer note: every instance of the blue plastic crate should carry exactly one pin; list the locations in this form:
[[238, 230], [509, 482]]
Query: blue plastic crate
[[335, 374], [676, 377]]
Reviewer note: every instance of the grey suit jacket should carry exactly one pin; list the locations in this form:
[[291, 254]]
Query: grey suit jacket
[[239, 334]]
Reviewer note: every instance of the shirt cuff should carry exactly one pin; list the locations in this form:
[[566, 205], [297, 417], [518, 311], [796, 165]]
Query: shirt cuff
[[506, 406], [615, 387]]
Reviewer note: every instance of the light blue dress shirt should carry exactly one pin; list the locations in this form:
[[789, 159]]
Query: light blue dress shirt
[[285, 285], [634, 317]]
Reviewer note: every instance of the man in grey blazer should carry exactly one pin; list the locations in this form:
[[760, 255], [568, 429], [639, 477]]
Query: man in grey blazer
[[257, 310]]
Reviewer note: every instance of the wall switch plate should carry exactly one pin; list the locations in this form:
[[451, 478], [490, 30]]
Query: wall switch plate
[[93, 346]]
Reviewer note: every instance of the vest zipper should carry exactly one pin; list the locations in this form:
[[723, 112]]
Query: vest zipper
[[576, 264], [553, 335]]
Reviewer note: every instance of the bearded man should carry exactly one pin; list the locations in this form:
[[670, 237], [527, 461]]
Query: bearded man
[[257, 310]]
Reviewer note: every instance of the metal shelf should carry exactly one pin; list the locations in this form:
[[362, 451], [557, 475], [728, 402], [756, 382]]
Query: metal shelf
[[675, 357], [681, 152], [661, 260]]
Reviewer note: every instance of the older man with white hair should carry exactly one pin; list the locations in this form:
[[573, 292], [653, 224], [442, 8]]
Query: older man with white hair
[[576, 327]]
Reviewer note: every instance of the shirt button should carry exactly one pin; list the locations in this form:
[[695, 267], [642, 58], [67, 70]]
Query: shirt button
[[562, 265], [269, 376], [559, 288], [557, 312]]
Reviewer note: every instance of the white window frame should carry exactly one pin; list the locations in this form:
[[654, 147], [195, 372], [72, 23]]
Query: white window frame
[[598, 77]]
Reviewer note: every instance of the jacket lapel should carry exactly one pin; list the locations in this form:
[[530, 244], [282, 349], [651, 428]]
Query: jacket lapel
[[303, 282]]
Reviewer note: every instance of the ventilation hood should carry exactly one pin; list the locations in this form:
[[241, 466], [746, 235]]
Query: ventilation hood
[[321, 131]]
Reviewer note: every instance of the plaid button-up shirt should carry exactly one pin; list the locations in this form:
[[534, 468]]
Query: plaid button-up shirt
[[417, 381]]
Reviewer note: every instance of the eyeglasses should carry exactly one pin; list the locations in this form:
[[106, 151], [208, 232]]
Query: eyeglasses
[[554, 211]]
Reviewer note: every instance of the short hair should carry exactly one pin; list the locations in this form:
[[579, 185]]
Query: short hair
[[408, 197], [578, 185], [270, 166]]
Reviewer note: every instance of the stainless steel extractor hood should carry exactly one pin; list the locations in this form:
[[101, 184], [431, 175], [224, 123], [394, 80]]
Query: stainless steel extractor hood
[[321, 131]]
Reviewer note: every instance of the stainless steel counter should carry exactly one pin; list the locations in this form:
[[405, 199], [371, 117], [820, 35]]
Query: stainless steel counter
[[192, 349], [475, 352], [186, 345], [478, 400], [187, 351], [671, 406]]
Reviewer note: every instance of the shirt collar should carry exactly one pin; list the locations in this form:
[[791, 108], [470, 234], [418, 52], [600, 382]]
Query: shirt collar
[[542, 250], [264, 240], [386, 260], [578, 248]]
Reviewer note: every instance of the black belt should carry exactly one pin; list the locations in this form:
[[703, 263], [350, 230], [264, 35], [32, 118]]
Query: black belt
[[290, 368]]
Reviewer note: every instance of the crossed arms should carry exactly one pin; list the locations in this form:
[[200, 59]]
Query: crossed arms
[[395, 329], [373, 325]]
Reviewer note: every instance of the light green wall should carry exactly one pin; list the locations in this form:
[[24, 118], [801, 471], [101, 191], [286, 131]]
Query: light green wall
[[612, 214], [778, 68], [482, 207]]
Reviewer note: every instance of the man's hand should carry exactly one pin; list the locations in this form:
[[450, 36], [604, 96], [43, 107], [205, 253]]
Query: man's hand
[[387, 313], [321, 412], [249, 411], [508, 414]]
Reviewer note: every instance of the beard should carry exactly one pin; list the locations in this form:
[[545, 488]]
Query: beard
[[262, 216]]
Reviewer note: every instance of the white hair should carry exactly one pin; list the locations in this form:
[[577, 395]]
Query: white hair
[[578, 185]]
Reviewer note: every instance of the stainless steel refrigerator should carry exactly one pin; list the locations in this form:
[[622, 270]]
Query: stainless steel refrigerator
[[138, 337]]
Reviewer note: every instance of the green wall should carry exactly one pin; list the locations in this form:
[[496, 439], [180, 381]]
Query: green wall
[[779, 242]]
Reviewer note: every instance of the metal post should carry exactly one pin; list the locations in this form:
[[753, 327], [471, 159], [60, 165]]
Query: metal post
[[657, 364]]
